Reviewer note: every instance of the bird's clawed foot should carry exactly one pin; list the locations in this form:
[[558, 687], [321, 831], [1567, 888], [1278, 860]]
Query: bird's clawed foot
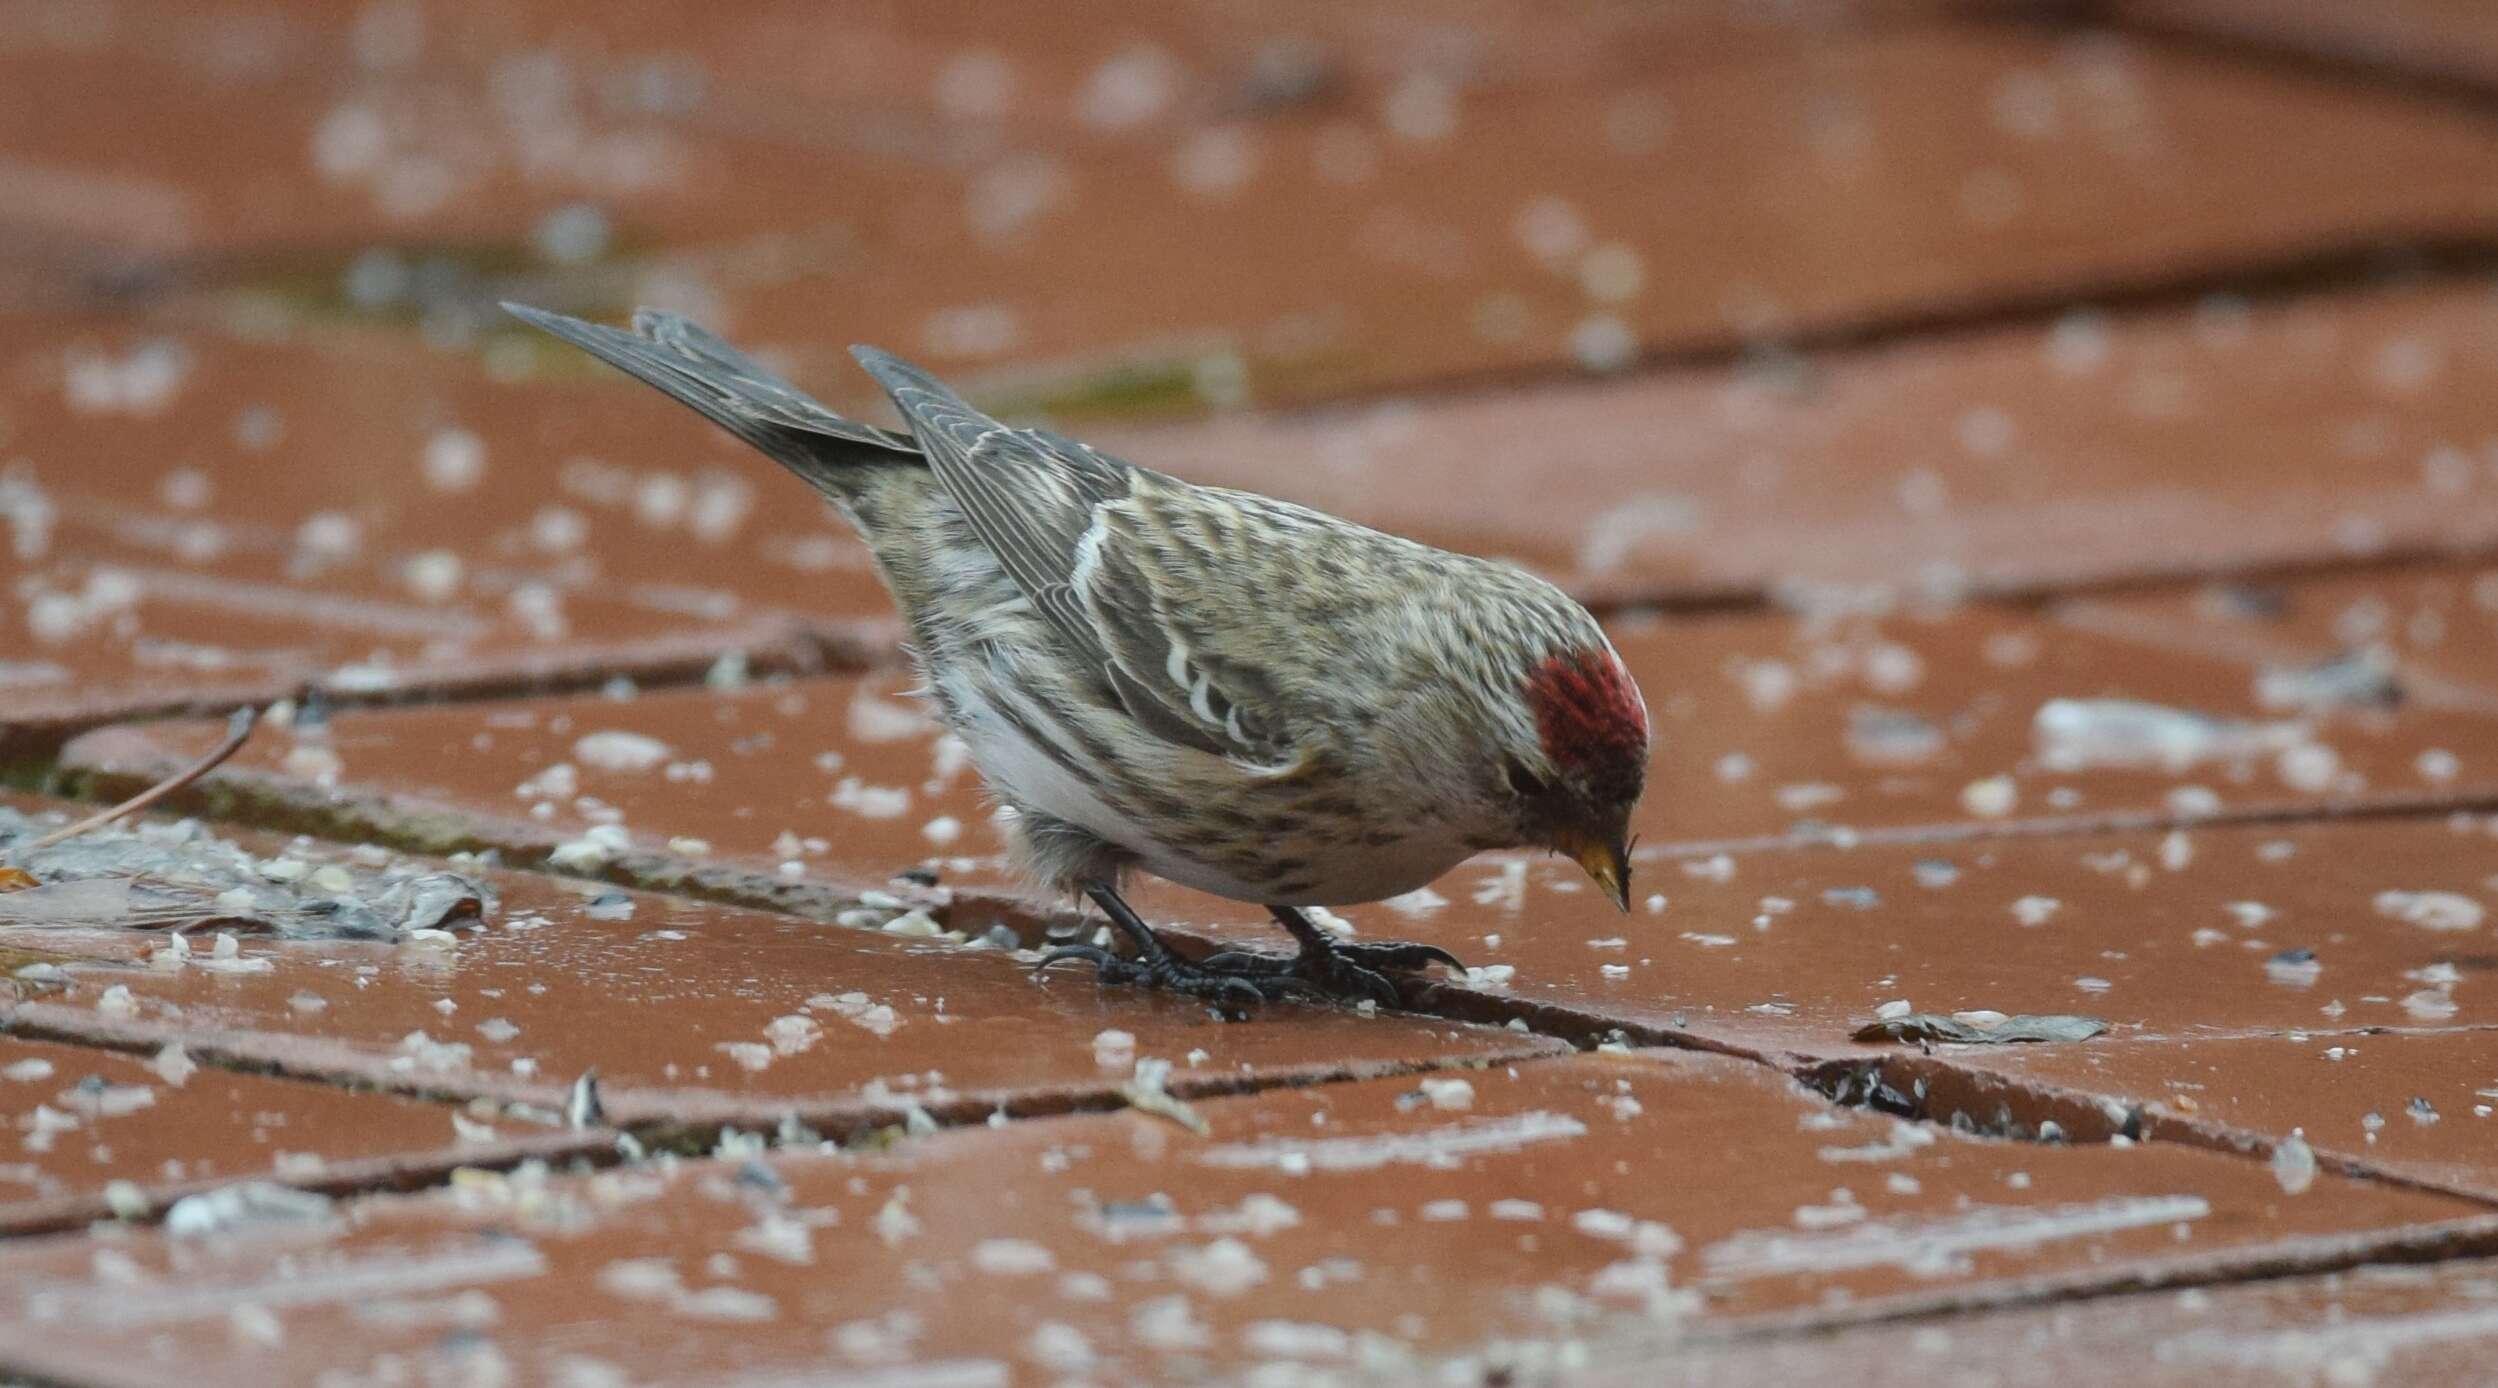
[[1169, 972], [1343, 970], [1326, 969]]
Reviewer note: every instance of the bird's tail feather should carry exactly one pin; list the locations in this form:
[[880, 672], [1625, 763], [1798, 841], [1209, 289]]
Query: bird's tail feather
[[732, 390]]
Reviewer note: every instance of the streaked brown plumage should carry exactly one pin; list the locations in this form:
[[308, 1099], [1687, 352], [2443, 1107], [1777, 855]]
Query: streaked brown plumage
[[1244, 696]]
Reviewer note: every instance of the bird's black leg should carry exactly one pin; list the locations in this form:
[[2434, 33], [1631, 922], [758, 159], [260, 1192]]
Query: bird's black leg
[[1156, 965], [1340, 968]]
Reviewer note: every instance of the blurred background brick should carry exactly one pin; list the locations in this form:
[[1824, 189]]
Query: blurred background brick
[[2040, 460]]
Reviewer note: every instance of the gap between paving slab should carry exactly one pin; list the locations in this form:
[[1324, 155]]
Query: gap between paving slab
[[288, 804], [2425, 261], [701, 1125], [2472, 1238], [353, 782], [2099, 922], [382, 521], [2430, 632], [2445, 1242], [1925, 88], [29, 748], [1661, 1186], [1959, 1089], [1862, 731], [1894, 100], [665, 1125], [1580, 1024], [1962, 1091], [419, 824], [752, 1016], [2362, 1096], [2025, 460], [1930, 1088], [2378, 1324], [2379, 51], [122, 1138]]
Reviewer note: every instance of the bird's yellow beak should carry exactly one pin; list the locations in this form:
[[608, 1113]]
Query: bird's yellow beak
[[1607, 861]]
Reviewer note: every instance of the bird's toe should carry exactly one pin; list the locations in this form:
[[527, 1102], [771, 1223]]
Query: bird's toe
[[1399, 956], [1223, 988], [1239, 979], [1371, 984], [1111, 967], [1247, 962], [1254, 981]]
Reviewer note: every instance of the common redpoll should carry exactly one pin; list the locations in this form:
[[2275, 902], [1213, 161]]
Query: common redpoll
[[1243, 696]]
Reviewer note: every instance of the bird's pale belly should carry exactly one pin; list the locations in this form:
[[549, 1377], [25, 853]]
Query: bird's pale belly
[[1333, 870], [1347, 878]]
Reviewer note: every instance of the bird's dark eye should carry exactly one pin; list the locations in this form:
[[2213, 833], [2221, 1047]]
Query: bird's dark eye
[[1526, 783]]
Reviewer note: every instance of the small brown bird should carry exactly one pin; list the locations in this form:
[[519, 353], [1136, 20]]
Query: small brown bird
[[1241, 695]]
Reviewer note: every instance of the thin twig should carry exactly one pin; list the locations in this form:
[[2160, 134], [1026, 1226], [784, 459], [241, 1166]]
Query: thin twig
[[238, 731]]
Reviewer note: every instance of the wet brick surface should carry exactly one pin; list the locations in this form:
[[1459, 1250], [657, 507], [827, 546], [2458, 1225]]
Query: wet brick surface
[[1975, 723], [2384, 1324], [375, 519], [1375, 1222], [2454, 39], [2415, 1103], [2038, 464], [2077, 448], [98, 1133], [736, 1016]]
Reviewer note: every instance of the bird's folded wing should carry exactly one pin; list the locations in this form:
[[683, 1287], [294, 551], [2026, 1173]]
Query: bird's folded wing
[[1064, 521], [1185, 631]]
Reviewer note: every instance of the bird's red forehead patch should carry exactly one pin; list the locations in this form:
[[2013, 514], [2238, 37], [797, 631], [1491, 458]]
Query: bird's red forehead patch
[[1588, 714]]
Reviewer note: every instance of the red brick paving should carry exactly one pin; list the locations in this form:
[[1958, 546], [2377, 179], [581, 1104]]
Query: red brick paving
[[2413, 1103], [350, 449], [1091, 71], [2198, 932], [114, 620], [1974, 723], [312, 162], [842, 775], [1980, 721], [2166, 937], [2442, 38], [1916, 179], [99, 1132], [1377, 248], [2085, 448], [2224, 785], [2383, 1324], [372, 517], [757, 1016], [1360, 1224], [2430, 633]]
